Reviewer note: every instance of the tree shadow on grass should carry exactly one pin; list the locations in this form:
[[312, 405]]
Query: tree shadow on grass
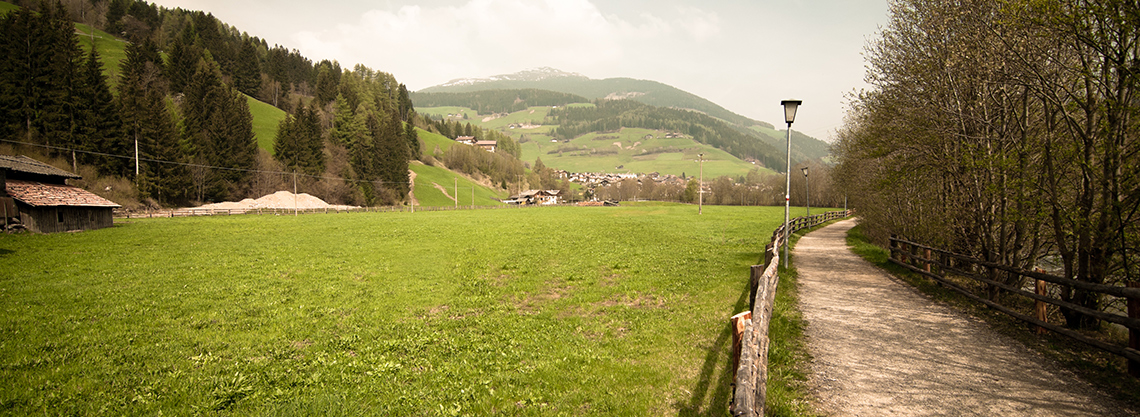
[[720, 389]]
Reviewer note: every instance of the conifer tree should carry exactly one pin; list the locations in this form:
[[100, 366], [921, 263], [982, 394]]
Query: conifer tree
[[413, 140], [218, 130], [347, 128], [98, 126], [247, 69]]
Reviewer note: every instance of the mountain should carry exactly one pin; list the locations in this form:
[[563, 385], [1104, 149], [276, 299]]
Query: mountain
[[648, 92], [644, 91]]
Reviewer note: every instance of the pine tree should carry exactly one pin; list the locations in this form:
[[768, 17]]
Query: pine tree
[[184, 55], [413, 140], [393, 152], [299, 144], [98, 126], [218, 131], [347, 128], [247, 69]]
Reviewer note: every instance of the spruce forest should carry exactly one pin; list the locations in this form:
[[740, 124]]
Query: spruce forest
[[173, 120]]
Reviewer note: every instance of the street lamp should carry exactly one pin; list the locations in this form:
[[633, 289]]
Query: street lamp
[[807, 191], [790, 107], [701, 187]]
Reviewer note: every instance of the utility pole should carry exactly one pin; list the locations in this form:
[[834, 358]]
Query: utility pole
[[701, 184], [295, 193], [456, 193]]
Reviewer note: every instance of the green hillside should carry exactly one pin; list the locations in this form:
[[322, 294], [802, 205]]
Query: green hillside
[[644, 91], [596, 151], [265, 121], [430, 179], [599, 152]]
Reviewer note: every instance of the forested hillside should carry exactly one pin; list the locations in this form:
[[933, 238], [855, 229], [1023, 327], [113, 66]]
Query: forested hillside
[[651, 93], [173, 118], [497, 101], [608, 115]]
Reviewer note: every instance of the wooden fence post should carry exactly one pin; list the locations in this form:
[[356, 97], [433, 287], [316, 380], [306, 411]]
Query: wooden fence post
[[926, 254], [1040, 306], [1133, 334]]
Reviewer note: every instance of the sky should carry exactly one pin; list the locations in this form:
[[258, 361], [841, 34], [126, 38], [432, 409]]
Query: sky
[[745, 55]]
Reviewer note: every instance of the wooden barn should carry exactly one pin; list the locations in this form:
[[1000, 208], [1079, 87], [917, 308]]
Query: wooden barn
[[36, 196]]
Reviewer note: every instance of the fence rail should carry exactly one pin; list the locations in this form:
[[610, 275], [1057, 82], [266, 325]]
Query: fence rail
[[935, 263], [750, 329]]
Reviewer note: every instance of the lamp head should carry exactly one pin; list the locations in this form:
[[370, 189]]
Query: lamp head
[[804, 169], [790, 107]]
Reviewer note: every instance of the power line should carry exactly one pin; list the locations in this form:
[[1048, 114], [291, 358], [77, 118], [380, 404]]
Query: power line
[[186, 164]]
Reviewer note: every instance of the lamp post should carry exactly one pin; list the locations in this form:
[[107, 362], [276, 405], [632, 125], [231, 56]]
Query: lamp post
[[701, 184], [790, 107], [807, 191]]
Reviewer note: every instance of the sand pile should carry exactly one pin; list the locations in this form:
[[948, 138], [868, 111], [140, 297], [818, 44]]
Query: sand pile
[[278, 200]]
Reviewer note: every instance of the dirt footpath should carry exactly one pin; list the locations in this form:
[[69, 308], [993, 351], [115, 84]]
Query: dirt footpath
[[880, 347]]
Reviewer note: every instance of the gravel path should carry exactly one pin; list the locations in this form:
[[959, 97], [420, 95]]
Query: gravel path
[[879, 347]]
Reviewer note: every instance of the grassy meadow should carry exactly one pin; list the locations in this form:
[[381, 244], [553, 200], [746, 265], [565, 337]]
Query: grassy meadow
[[542, 311], [430, 178]]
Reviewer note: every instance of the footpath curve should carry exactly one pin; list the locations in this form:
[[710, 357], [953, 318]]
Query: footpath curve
[[880, 347]]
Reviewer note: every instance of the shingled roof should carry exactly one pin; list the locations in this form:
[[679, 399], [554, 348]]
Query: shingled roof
[[53, 195], [24, 164]]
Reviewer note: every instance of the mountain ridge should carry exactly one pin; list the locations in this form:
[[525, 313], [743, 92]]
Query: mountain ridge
[[649, 92]]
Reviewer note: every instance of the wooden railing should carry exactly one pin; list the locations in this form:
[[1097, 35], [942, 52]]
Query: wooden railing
[[750, 328], [935, 263]]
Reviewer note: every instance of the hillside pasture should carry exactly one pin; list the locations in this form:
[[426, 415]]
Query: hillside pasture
[[265, 121], [540, 311], [428, 194], [600, 152]]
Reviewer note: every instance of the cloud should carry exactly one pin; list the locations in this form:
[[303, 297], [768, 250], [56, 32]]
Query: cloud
[[429, 45]]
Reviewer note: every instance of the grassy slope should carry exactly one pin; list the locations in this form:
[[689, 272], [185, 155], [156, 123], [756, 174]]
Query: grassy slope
[[428, 195], [717, 163], [519, 311], [265, 121]]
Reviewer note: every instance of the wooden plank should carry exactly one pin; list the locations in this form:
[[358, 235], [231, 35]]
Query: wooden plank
[[1087, 286], [1040, 307], [1126, 352], [1134, 334]]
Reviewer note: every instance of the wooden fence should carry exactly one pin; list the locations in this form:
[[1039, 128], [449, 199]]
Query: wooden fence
[[935, 263], [750, 328], [123, 214]]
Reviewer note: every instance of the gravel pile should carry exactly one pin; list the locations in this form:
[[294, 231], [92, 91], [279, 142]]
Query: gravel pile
[[278, 200]]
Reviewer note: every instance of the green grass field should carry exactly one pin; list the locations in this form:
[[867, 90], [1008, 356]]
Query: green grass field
[[542, 311], [427, 194]]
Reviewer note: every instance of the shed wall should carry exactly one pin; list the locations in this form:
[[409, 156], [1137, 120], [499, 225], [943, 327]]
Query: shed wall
[[64, 218]]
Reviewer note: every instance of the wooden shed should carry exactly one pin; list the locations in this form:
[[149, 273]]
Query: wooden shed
[[36, 196]]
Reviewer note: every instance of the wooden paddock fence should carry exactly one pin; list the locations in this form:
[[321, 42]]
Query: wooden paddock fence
[[935, 263], [123, 214], [750, 328]]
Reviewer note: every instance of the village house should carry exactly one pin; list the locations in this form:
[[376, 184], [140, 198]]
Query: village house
[[467, 140], [487, 145], [536, 197], [36, 196]]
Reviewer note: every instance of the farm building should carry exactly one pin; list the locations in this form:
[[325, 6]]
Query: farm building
[[36, 195], [540, 197]]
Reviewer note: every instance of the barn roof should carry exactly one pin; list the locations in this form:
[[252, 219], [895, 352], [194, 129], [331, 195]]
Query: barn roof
[[22, 163], [54, 195]]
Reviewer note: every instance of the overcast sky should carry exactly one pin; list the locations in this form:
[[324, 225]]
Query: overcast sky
[[745, 55]]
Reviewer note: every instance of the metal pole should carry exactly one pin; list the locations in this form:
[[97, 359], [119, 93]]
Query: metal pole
[[787, 194], [701, 185], [807, 196]]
